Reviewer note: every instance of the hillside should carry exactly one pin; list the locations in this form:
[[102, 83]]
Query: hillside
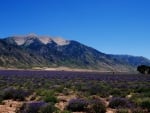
[[42, 51]]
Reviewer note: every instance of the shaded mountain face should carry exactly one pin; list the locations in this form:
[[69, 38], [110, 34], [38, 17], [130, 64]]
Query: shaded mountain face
[[134, 61], [43, 51]]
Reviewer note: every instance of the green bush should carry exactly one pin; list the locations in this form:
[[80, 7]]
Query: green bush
[[119, 103], [115, 92], [59, 89], [48, 108], [47, 95], [142, 102], [139, 110], [77, 105], [100, 89], [96, 106], [65, 111], [122, 111], [1, 97], [50, 98], [32, 107], [44, 92], [16, 94], [89, 106], [145, 103]]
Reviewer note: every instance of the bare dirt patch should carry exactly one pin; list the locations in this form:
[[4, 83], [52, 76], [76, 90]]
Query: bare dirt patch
[[63, 100], [10, 106]]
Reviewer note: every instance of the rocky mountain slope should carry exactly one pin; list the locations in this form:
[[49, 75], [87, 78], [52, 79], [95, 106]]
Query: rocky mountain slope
[[43, 51]]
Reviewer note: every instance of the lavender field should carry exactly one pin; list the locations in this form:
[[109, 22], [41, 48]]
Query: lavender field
[[92, 92]]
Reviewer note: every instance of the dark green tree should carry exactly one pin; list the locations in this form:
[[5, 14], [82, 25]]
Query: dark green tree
[[143, 69]]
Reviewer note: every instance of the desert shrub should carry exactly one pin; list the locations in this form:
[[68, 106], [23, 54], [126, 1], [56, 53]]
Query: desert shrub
[[47, 95], [96, 106], [1, 97], [33, 107], [59, 89], [89, 106], [8, 93], [16, 94], [94, 90], [122, 111], [119, 103], [77, 105], [66, 111], [142, 89], [44, 92], [145, 103], [99, 89], [146, 94], [139, 110], [50, 98], [47, 108], [115, 92]]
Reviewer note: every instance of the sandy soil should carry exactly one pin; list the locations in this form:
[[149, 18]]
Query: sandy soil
[[10, 106], [63, 101]]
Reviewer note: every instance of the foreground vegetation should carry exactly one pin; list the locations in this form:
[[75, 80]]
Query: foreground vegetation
[[94, 92]]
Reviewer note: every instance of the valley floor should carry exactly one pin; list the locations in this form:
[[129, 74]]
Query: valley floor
[[113, 92]]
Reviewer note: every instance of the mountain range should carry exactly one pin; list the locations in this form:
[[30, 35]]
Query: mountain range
[[31, 50]]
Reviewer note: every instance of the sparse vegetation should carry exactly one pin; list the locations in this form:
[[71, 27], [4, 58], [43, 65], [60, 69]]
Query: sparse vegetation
[[145, 103], [123, 92], [33, 107], [13, 93], [119, 103], [77, 105], [96, 106], [122, 111], [139, 110], [48, 108]]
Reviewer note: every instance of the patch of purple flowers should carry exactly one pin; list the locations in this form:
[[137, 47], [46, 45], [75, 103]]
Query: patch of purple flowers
[[77, 105], [118, 102], [32, 107]]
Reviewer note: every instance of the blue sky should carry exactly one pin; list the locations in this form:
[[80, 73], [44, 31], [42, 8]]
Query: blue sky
[[110, 26]]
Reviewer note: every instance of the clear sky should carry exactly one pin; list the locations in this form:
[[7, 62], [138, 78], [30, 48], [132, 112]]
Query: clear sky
[[110, 26]]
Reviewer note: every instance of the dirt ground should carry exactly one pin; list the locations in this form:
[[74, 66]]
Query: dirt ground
[[11, 106]]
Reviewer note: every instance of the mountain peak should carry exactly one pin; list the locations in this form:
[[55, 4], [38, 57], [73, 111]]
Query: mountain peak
[[28, 39], [60, 41], [46, 51], [32, 35]]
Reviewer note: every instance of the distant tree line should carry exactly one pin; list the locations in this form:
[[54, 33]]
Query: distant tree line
[[143, 69]]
